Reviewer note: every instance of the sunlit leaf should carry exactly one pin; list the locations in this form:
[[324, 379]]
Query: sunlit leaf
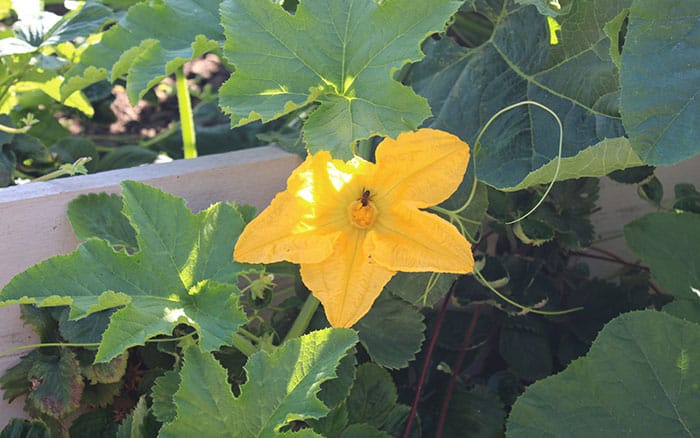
[[183, 273], [341, 54], [281, 387], [595, 161], [144, 47]]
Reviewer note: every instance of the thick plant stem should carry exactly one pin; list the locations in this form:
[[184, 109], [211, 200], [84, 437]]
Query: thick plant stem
[[184, 106], [243, 345], [302, 322]]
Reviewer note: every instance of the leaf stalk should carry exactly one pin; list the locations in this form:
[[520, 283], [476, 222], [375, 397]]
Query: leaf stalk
[[184, 106], [303, 319]]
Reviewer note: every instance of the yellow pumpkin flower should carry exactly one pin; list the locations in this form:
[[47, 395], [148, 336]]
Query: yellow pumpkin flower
[[352, 225]]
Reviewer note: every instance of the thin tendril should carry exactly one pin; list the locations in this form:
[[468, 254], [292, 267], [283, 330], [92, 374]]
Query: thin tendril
[[559, 152], [454, 214], [520, 306], [432, 281], [83, 345]]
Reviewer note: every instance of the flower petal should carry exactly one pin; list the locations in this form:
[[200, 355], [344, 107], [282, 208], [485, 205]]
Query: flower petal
[[411, 240], [298, 224], [348, 282], [424, 167]]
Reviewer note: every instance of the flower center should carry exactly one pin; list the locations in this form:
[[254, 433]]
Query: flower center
[[363, 212]]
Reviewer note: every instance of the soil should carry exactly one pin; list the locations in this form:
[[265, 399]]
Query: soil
[[152, 114]]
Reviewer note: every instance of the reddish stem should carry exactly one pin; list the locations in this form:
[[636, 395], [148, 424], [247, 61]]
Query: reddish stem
[[426, 362], [612, 257], [455, 371], [608, 259]]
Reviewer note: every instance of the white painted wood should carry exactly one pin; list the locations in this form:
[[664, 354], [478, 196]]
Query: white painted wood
[[34, 225]]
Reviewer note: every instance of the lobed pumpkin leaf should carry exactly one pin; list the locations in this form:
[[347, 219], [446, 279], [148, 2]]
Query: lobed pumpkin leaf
[[100, 215], [660, 80], [281, 387], [576, 79], [673, 259], [144, 47], [183, 273], [638, 379], [341, 54]]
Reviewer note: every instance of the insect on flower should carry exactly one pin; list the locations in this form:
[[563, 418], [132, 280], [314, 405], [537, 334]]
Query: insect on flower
[[364, 199]]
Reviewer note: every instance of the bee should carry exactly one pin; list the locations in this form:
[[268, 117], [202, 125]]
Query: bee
[[364, 199]]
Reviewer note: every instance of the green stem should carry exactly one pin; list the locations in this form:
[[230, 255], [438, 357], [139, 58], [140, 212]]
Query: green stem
[[248, 335], [525, 309], [66, 169], [52, 344], [11, 130], [303, 319], [184, 105], [243, 345]]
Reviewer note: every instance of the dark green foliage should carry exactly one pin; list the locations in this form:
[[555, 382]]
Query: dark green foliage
[[17, 428]]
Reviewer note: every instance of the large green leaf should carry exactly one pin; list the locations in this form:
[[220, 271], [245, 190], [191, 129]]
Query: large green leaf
[[640, 378], [370, 410], [48, 29], [373, 400], [183, 273], [575, 78], [22, 428], [669, 243], [281, 387], [392, 331], [341, 54], [660, 77], [477, 412], [598, 160], [100, 215], [162, 393], [81, 23], [150, 42]]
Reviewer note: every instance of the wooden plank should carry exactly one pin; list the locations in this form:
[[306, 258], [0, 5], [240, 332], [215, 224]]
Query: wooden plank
[[34, 226]]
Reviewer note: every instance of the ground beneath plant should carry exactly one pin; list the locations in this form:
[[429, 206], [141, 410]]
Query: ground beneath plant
[[118, 121]]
